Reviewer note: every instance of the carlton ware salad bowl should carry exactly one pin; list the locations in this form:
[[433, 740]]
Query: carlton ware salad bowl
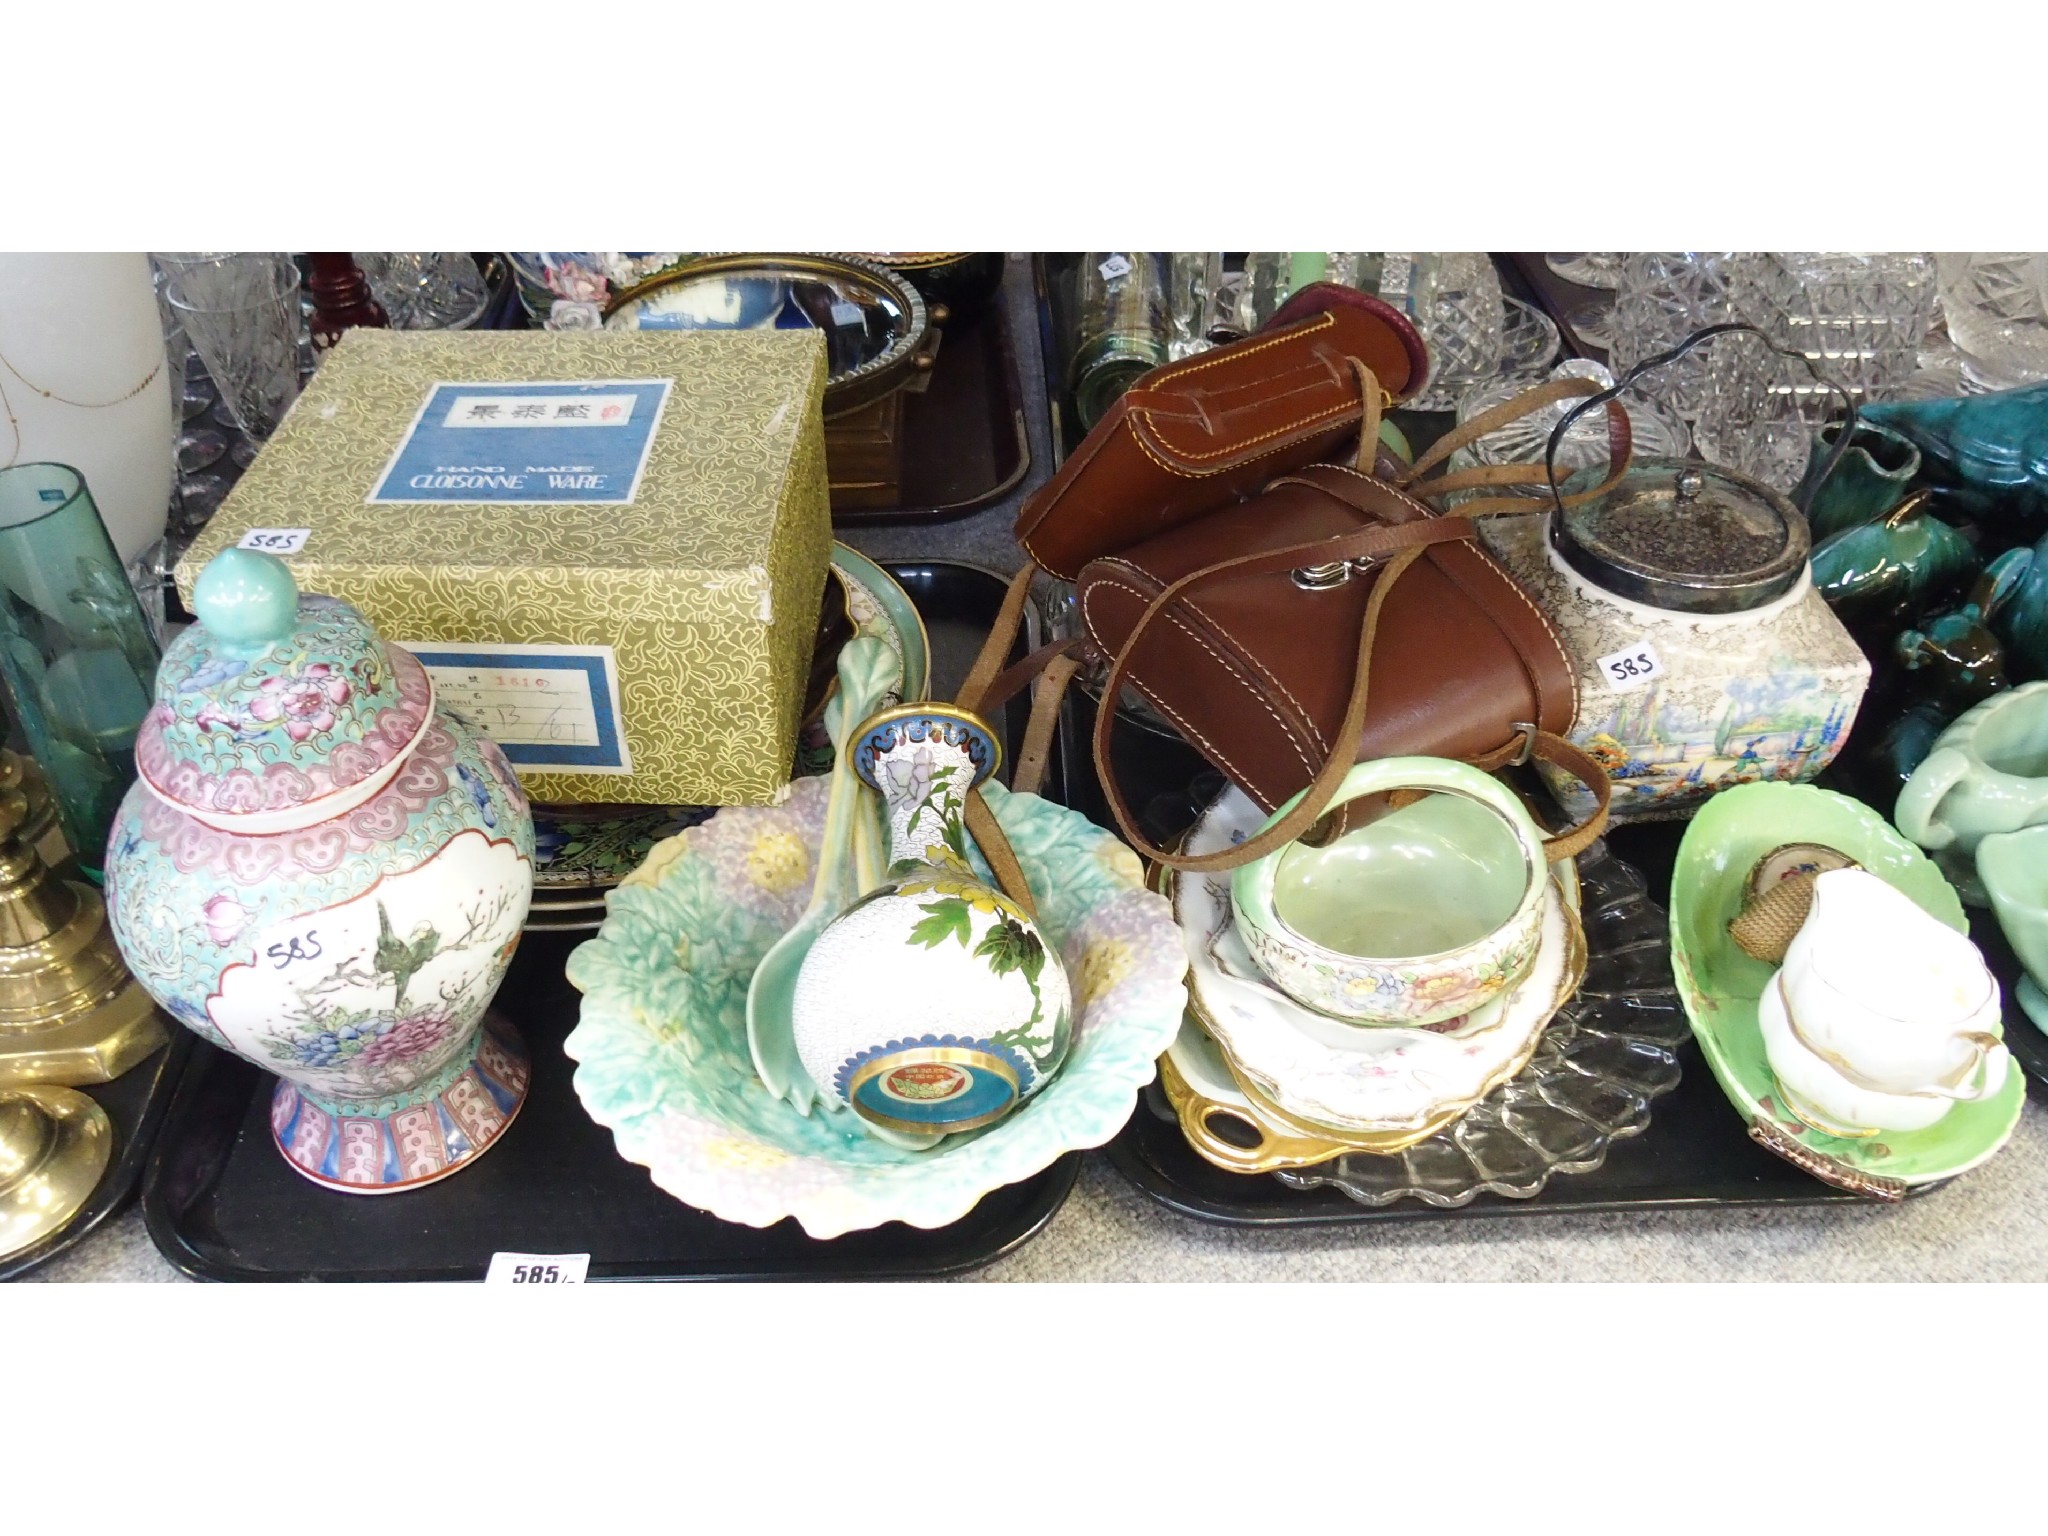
[[661, 1045]]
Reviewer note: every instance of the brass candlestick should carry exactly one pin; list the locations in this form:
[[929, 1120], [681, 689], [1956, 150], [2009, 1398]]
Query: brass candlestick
[[54, 1145], [69, 1010]]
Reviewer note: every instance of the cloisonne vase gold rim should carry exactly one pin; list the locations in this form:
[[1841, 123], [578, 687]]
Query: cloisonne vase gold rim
[[927, 710]]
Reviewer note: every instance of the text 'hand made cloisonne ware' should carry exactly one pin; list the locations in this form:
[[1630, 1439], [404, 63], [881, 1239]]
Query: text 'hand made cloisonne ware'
[[323, 873]]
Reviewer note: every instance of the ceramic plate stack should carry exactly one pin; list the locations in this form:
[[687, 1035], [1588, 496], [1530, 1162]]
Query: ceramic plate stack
[[1494, 1103], [583, 851]]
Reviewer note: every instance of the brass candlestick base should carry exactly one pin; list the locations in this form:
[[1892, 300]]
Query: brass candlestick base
[[54, 1145], [69, 1010]]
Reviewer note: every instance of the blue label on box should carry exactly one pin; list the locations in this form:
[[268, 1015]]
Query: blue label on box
[[548, 706], [527, 444]]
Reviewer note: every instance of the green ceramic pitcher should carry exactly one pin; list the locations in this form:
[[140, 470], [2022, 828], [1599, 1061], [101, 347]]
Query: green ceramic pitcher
[[1872, 477]]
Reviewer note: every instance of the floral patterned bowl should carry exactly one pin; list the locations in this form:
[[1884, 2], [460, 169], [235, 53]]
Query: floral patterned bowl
[[661, 1045]]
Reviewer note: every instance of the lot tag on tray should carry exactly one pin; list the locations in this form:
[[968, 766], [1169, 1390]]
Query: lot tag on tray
[[538, 1269], [1631, 667], [276, 541]]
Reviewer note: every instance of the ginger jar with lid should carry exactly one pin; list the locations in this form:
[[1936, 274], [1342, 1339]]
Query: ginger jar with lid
[[323, 873]]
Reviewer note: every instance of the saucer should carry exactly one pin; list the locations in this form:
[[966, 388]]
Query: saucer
[[1721, 985], [1316, 1078]]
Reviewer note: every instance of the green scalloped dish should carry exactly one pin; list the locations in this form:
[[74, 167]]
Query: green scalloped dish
[[896, 608], [661, 1043], [1720, 984]]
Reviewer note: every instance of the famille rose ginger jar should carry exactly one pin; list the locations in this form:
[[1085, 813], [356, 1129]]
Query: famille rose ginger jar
[[933, 1005], [326, 875]]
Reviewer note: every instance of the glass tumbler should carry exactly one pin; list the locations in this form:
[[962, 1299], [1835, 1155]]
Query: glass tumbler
[[241, 313], [1996, 304], [1121, 325], [76, 652]]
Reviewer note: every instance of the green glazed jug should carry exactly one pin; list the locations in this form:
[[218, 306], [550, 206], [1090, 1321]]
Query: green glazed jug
[[1870, 479]]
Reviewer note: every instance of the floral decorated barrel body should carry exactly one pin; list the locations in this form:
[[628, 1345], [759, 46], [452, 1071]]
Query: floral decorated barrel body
[[319, 871]]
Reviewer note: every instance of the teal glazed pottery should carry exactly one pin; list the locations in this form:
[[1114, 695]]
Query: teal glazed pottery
[[1723, 987], [661, 1044], [1424, 908], [1993, 446], [2013, 868], [2019, 616], [323, 873], [1870, 478], [932, 1005], [1988, 773], [1879, 573], [1958, 659]]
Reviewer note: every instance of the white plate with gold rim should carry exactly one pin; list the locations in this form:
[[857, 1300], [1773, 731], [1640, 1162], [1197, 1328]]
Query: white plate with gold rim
[[1325, 1076]]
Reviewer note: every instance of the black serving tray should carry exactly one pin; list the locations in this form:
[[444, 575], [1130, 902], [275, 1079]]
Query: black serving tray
[[1695, 1151], [136, 1102], [222, 1204]]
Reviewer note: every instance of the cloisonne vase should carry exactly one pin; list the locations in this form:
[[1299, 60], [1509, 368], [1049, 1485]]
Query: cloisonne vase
[[933, 1005], [323, 873]]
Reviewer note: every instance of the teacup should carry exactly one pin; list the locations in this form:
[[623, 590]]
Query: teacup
[[1825, 1099], [1891, 998], [1988, 773], [2014, 869], [1426, 911]]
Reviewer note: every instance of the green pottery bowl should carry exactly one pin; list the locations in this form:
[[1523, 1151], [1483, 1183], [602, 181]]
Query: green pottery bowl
[[1720, 984]]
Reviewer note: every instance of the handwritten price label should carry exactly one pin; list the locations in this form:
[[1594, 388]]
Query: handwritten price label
[[538, 1269], [1632, 667], [276, 541]]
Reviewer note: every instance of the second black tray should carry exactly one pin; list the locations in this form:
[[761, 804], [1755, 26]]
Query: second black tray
[[222, 1204]]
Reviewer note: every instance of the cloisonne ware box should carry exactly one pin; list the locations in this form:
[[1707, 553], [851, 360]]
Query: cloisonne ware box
[[607, 548]]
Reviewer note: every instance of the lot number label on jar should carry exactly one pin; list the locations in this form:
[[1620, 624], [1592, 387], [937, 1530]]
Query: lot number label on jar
[[1632, 667], [538, 1269]]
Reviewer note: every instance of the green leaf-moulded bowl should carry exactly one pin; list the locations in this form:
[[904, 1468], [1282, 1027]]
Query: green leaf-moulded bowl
[[661, 1043], [1720, 984]]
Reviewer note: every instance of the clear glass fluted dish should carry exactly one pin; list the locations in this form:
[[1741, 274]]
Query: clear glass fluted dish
[[1610, 1053]]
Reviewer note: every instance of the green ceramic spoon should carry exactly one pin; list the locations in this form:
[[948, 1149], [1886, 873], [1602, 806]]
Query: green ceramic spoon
[[868, 669]]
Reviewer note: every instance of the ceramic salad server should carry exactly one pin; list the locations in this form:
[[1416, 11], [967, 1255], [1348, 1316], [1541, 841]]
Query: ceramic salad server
[[1428, 906], [1988, 773], [1882, 1016], [323, 873], [867, 670], [933, 1005]]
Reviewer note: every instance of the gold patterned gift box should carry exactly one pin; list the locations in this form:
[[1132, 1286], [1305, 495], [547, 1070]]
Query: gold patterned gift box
[[607, 546]]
